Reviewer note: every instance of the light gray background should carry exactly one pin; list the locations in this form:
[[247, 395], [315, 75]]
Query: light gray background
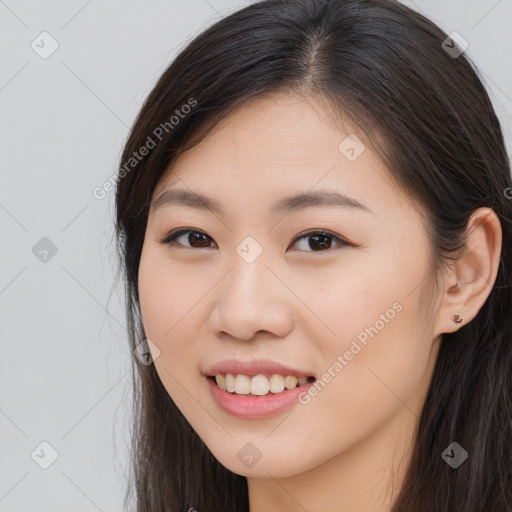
[[64, 370]]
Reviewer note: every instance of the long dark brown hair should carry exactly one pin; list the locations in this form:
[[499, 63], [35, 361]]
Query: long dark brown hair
[[390, 71]]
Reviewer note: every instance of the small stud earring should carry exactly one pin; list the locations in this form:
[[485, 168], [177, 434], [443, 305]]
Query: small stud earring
[[457, 318]]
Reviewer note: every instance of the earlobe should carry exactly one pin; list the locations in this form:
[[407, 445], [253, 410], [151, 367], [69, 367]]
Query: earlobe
[[472, 276]]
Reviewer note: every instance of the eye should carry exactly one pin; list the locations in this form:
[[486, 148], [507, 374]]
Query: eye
[[193, 237], [319, 240]]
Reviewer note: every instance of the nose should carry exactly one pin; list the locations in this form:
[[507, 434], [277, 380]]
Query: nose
[[250, 299]]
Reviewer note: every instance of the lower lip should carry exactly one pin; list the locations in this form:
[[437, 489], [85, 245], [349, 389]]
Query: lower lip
[[255, 406]]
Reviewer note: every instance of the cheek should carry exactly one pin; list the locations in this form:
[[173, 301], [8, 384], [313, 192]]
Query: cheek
[[167, 293], [170, 301], [350, 302], [380, 351]]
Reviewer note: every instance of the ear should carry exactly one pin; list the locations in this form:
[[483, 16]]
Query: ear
[[469, 281]]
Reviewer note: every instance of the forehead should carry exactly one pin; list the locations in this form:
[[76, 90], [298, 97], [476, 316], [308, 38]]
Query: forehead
[[280, 143]]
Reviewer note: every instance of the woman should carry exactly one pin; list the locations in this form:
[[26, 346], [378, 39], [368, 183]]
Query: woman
[[313, 219]]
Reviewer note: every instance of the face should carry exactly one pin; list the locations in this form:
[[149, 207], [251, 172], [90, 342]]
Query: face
[[330, 287]]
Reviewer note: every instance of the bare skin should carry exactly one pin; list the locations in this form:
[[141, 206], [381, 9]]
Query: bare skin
[[301, 306]]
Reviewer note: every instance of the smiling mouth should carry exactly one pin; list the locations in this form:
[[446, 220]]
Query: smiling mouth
[[258, 385]]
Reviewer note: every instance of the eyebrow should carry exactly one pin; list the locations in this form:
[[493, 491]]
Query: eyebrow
[[288, 204]]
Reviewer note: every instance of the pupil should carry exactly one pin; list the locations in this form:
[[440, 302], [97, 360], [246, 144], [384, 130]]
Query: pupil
[[197, 235], [314, 240]]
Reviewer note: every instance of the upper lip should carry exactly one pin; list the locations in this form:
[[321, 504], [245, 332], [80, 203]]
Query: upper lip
[[254, 367]]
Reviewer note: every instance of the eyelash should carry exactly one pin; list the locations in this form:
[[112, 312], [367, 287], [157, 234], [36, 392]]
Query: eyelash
[[169, 239]]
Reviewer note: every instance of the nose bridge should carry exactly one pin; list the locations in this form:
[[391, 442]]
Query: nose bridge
[[248, 278], [250, 298], [250, 274]]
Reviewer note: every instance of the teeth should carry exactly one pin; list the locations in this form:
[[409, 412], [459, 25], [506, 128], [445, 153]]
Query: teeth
[[230, 383], [290, 382], [259, 385], [221, 381], [276, 383], [302, 380], [242, 385]]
